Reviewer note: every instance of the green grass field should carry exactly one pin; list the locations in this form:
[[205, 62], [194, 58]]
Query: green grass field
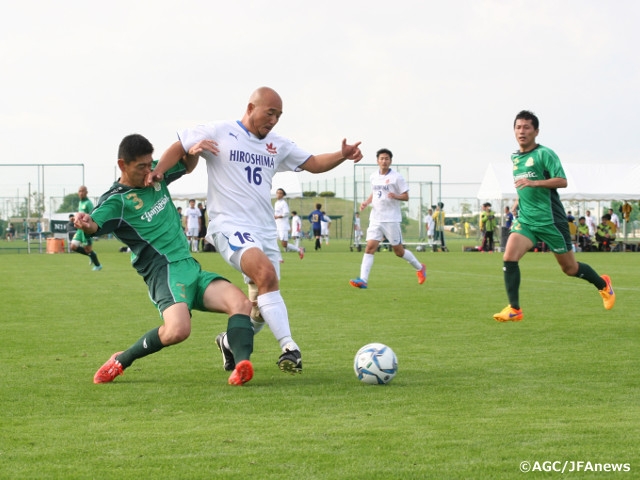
[[473, 398]]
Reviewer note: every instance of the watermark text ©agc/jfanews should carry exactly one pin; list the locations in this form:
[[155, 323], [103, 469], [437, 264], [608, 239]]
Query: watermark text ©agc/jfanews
[[572, 466]]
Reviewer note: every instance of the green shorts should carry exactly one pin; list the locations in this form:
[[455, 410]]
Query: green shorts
[[177, 282], [556, 235], [81, 237]]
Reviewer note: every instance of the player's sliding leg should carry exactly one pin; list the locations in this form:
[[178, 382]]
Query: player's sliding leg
[[240, 338]]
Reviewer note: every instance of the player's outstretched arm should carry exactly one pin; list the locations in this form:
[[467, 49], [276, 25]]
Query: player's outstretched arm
[[327, 161], [169, 159]]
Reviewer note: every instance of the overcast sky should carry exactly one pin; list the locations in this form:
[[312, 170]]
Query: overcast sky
[[434, 81]]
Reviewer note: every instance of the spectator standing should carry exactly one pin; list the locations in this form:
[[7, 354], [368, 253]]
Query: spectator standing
[[11, 232], [591, 223], [506, 227], [430, 226], [439, 217], [615, 220], [71, 228], [488, 221]]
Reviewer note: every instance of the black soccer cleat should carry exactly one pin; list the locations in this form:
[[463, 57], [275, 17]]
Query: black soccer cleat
[[290, 362], [228, 361]]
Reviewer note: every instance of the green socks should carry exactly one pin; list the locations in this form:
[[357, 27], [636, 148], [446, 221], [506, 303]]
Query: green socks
[[149, 343], [512, 283], [240, 336], [512, 280], [94, 258], [589, 274]]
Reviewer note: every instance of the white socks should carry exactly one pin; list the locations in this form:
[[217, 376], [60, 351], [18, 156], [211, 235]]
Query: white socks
[[367, 263], [365, 268], [275, 314], [411, 258]]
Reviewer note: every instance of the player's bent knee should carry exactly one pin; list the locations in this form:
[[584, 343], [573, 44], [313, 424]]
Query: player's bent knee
[[171, 336]]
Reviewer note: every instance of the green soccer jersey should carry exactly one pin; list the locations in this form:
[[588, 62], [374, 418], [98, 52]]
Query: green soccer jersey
[[146, 220], [84, 206], [538, 206]]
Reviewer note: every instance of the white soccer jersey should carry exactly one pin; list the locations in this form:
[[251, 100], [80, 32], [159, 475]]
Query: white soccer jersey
[[193, 215], [296, 226], [281, 209], [324, 225], [383, 208], [240, 176]]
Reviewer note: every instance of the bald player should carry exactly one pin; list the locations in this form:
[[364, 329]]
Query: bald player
[[242, 156]]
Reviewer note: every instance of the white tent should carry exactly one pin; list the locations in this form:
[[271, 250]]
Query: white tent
[[586, 182]]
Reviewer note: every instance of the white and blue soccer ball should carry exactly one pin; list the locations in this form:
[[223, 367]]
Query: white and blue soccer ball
[[375, 364]]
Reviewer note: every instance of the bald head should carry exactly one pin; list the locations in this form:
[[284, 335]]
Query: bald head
[[263, 111], [265, 94]]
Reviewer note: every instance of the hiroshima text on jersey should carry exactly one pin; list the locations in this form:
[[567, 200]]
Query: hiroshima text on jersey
[[251, 158]]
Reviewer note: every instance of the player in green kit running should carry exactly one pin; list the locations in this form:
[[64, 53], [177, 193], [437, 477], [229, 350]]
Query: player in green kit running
[[538, 173], [81, 243], [145, 219]]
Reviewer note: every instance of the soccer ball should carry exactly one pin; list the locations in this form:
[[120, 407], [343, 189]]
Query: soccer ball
[[376, 364], [420, 248]]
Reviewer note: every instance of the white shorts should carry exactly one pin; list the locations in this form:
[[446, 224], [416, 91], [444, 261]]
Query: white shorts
[[283, 235], [193, 232], [233, 245], [389, 230]]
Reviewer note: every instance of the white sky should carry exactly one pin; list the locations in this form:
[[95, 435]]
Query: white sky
[[434, 81]]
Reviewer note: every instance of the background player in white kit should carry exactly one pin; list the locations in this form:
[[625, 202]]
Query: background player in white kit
[[296, 228], [325, 227], [281, 214], [194, 223], [242, 157], [357, 230], [389, 188]]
